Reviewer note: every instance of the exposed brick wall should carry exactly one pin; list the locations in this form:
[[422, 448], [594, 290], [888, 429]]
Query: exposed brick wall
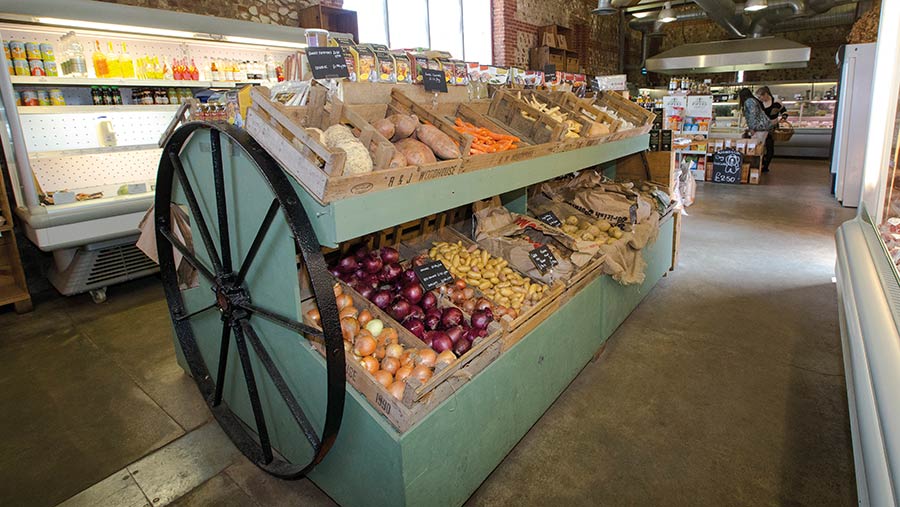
[[516, 24], [276, 12]]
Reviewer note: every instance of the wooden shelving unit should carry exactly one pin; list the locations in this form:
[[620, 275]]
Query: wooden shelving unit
[[331, 19], [13, 289], [555, 45]]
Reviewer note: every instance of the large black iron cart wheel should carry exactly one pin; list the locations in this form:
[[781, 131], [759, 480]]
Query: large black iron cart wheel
[[228, 210]]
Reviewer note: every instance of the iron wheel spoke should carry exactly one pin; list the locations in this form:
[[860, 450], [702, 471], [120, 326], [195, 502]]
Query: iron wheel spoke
[[188, 255], [257, 241], [221, 206], [261, 429], [285, 322], [223, 363], [194, 314], [281, 385], [195, 210]]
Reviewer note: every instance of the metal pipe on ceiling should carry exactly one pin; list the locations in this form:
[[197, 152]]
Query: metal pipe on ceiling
[[724, 12], [841, 15]]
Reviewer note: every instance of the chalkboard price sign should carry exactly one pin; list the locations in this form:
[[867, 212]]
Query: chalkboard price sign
[[434, 80], [550, 72], [433, 274], [550, 219], [327, 62], [543, 258], [727, 166]]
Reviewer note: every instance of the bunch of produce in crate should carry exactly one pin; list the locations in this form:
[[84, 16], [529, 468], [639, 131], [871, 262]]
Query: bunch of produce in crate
[[417, 143], [600, 230], [492, 275], [379, 277], [377, 348], [486, 141]]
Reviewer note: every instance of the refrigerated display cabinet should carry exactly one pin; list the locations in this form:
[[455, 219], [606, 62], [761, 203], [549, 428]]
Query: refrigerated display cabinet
[[50, 149], [868, 287]]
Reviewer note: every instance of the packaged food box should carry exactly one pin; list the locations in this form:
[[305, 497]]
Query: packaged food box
[[460, 73], [366, 64], [384, 63], [346, 44], [418, 62], [402, 66]]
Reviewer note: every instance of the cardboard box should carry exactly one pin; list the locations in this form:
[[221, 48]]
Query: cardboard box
[[754, 176], [572, 64]]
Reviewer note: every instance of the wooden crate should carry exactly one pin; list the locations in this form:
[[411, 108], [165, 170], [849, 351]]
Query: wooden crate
[[421, 244], [654, 166], [508, 110], [626, 109], [418, 399], [554, 99]]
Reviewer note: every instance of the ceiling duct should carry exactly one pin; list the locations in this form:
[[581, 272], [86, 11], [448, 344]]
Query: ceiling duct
[[730, 56], [843, 15], [725, 13]]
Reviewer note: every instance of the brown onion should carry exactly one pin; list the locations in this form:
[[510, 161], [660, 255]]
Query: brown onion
[[343, 301], [364, 317], [338, 290], [349, 327], [460, 283], [403, 373], [379, 352], [349, 311], [396, 389], [469, 306], [364, 346], [389, 335], [446, 356], [369, 363], [394, 350], [408, 357], [390, 364], [313, 316], [383, 377], [482, 304], [426, 357], [421, 372], [469, 292]]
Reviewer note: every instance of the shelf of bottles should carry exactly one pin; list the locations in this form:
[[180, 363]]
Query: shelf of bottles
[[48, 65]]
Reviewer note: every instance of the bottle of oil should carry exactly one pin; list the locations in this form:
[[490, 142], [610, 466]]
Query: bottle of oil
[[112, 62], [101, 68], [126, 63]]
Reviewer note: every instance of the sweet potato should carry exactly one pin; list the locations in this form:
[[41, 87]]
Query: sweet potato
[[398, 160], [404, 125], [384, 127], [439, 142], [416, 153]]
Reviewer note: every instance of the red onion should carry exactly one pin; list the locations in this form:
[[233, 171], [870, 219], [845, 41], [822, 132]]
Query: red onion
[[439, 340], [360, 272], [415, 326], [416, 312], [429, 301], [461, 347], [400, 309], [475, 333], [390, 272], [382, 299], [346, 277], [433, 318], [361, 252], [372, 264], [409, 276], [455, 333], [389, 255], [451, 317], [366, 291], [481, 319], [347, 265], [412, 292], [334, 272]]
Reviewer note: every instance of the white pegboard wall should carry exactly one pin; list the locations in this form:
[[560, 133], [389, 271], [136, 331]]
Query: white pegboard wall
[[96, 169], [55, 132], [166, 49]]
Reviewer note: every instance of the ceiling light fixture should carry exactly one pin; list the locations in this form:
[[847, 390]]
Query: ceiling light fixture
[[666, 15], [641, 14], [755, 5]]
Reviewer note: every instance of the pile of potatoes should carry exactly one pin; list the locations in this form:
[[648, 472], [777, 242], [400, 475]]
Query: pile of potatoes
[[417, 143], [491, 275], [600, 231]]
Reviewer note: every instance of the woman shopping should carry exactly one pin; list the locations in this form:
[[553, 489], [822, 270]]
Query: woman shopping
[[773, 110], [755, 113]]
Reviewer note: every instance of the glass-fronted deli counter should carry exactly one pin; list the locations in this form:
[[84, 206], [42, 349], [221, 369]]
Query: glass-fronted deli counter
[[85, 113], [810, 107], [868, 286]]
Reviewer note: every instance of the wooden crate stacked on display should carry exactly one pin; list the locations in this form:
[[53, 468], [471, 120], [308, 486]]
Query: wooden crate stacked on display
[[13, 286]]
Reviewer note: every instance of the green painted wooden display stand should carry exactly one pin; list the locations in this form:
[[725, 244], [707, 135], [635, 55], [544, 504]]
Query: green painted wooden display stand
[[446, 456]]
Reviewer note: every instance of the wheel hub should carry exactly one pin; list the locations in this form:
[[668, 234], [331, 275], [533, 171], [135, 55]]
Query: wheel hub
[[230, 296]]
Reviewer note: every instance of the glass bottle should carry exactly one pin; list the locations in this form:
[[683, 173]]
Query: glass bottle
[[126, 63], [101, 69], [112, 62]]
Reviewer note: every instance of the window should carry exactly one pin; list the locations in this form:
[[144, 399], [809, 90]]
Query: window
[[462, 27]]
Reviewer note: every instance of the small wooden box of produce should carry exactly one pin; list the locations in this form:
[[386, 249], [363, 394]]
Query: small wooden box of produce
[[514, 297], [577, 124], [524, 120]]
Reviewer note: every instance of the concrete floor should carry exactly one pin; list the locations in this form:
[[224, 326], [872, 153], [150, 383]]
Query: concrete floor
[[725, 387]]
